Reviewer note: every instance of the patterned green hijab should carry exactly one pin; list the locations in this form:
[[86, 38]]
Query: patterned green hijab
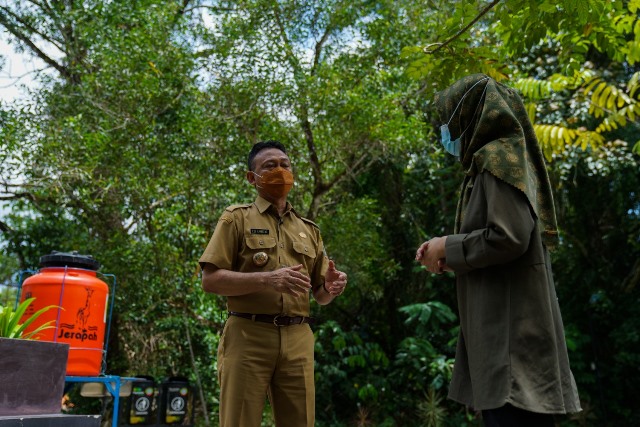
[[500, 139]]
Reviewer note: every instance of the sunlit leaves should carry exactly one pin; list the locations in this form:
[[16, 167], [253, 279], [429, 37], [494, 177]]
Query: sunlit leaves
[[536, 89], [615, 108], [576, 27], [533, 89], [605, 97], [555, 139]]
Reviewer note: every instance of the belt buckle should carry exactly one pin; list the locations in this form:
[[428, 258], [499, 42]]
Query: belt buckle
[[275, 319]]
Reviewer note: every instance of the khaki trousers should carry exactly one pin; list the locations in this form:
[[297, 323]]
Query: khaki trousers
[[258, 359]]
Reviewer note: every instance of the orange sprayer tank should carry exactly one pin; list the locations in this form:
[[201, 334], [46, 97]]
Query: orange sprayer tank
[[69, 280]]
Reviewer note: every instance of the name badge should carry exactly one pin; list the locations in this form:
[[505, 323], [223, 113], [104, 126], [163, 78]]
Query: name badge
[[259, 231]]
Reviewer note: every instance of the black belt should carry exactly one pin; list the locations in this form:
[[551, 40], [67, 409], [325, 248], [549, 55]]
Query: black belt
[[276, 319]]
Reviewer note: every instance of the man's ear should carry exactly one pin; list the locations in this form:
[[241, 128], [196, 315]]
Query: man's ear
[[251, 177]]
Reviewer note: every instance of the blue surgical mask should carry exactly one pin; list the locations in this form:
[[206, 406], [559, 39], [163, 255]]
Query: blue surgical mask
[[454, 147]]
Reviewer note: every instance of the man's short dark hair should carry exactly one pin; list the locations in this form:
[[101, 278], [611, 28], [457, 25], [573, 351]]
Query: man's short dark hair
[[259, 146]]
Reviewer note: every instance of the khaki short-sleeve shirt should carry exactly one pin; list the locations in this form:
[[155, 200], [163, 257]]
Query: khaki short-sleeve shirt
[[246, 233]]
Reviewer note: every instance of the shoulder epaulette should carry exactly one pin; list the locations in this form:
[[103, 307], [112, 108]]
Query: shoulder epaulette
[[234, 207], [309, 221]]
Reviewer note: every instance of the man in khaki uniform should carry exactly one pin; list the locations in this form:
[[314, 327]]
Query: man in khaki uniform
[[265, 258]]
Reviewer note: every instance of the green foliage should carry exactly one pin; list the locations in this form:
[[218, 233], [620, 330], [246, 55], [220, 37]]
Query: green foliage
[[359, 251], [608, 28], [10, 326], [421, 314], [431, 411], [600, 317], [613, 107], [353, 374], [352, 370]]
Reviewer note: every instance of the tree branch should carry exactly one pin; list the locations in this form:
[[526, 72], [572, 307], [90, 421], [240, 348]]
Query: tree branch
[[439, 46], [319, 187], [33, 30], [25, 39], [16, 196], [214, 8], [463, 30], [203, 401], [318, 50]]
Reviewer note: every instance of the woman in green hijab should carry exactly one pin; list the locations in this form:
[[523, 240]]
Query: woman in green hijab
[[511, 359]]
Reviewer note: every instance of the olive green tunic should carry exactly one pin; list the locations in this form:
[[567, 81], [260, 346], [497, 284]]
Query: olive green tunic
[[511, 347]]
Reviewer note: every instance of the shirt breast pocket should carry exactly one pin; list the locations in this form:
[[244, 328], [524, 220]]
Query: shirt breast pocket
[[304, 249], [260, 242]]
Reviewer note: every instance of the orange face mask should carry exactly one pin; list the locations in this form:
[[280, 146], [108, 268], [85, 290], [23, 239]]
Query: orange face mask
[[277, 182]]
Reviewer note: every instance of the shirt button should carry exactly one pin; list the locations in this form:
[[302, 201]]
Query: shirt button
[[261, 243], [305, 249], [282, 245]]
